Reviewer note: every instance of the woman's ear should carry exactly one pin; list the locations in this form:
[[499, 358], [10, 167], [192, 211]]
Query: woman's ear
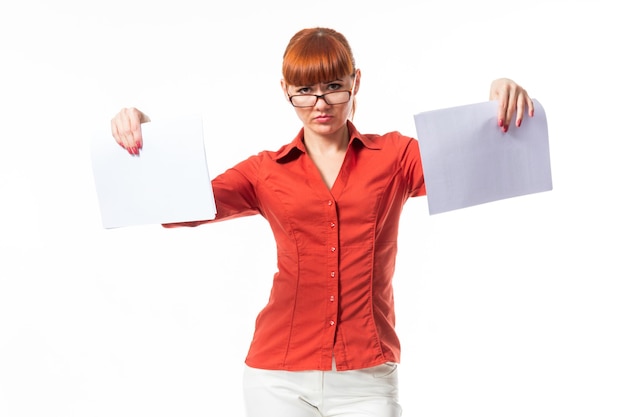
[[357, 82], [283, 85]]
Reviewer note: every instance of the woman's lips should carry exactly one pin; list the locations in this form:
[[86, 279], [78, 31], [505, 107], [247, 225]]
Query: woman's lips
[[324, 118]]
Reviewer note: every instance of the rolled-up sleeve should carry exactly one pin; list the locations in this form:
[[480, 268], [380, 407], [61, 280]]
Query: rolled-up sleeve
[[411, 163]]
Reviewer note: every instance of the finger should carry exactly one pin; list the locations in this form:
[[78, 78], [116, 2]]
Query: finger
[[501, 112], [121, 124], [129, 138], [521, 103], [511, 103], [504, 117], [135, 119], [524, 102], [531, 106]]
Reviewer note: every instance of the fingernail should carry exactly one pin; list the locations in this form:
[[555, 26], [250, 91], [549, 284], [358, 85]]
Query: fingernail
[[505, 129], [500, 122], [518, 123]]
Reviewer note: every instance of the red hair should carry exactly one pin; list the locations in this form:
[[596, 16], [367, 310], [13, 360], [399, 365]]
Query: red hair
[[317, 55]]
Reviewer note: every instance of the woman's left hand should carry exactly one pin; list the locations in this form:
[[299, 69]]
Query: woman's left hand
[[512, 100]]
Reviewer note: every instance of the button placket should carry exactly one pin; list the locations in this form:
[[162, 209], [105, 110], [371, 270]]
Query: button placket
[[333, 264]]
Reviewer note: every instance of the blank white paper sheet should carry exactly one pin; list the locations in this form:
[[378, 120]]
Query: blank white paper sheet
[[468, 160], [168, 182]]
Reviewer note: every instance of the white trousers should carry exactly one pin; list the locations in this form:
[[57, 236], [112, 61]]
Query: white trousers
[[370, 392]]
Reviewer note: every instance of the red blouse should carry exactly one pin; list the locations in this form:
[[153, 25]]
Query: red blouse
[[332, 293]]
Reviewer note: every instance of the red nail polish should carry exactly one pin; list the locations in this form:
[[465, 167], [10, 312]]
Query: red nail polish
[[500, 122], [519, 123]]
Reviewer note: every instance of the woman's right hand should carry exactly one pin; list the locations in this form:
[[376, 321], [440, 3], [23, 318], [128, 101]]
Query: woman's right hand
[[126, 129]]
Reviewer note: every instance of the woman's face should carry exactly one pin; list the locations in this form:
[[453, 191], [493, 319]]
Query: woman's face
[[323, 118]]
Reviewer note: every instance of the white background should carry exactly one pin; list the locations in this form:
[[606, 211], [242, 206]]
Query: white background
[[513, 308]]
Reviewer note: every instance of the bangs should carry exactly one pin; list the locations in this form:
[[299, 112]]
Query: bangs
[[315, 58]]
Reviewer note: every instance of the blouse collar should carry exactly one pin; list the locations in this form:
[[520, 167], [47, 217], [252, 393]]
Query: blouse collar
[[298, 142]]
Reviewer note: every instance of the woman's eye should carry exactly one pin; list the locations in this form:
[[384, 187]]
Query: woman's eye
[[334, 86], [303, 90]]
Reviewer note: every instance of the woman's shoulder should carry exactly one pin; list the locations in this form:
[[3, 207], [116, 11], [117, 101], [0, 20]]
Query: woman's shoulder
[[392, 135], [283, 153], [393, 139]]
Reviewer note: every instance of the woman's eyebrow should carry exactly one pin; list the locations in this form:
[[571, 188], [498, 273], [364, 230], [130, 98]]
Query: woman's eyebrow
[[338, 80]]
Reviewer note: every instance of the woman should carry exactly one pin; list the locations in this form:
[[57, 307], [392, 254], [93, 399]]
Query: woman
[[325, 344]]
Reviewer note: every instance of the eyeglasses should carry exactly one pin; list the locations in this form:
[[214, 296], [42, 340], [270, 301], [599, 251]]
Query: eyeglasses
[[310, 100], [332, 98]]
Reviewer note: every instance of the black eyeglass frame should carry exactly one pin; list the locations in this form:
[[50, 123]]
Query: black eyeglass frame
[[323, 97]]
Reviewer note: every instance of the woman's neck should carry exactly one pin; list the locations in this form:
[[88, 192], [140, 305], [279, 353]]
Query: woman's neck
[[327, 145]]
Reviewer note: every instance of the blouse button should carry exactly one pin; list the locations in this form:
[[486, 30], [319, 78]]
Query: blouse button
[[332, 298], [332, 323], [333, 249], [330, 202], [332, 274], [332, 225]]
